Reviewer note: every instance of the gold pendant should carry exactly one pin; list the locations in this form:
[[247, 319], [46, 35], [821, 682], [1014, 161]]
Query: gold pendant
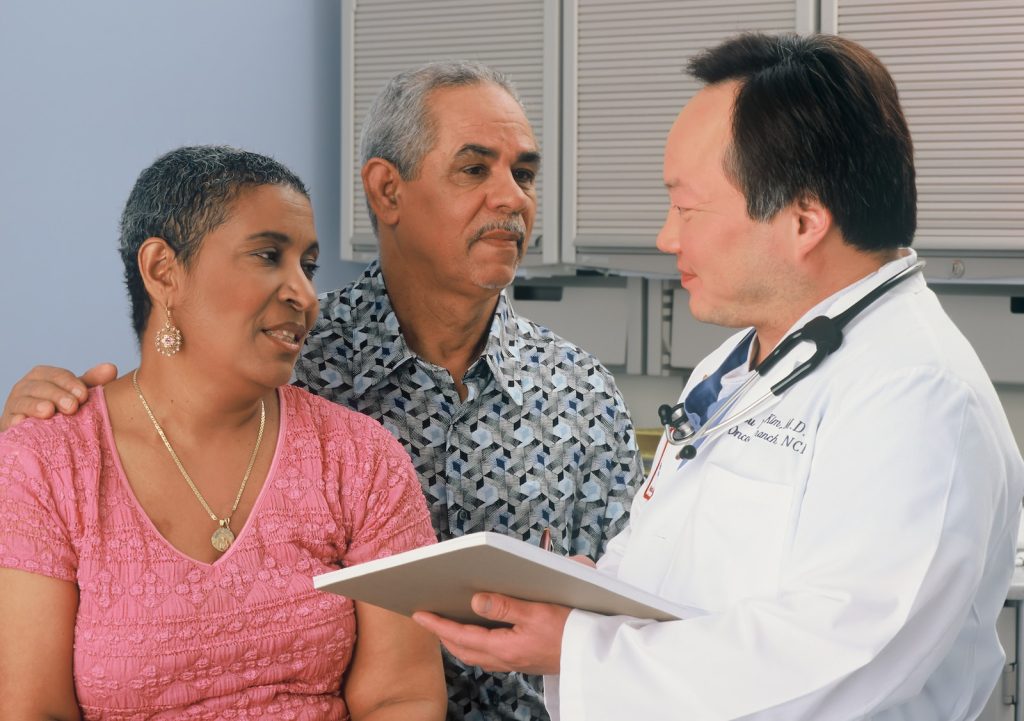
[[222, 538]]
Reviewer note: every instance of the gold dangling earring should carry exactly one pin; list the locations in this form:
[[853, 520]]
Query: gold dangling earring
[[168, 338]]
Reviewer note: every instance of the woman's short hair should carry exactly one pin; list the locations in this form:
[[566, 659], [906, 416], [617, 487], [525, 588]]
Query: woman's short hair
[[180, 198], [818, 116], [399, 128]]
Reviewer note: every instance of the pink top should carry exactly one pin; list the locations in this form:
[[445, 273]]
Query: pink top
[[160, 635]]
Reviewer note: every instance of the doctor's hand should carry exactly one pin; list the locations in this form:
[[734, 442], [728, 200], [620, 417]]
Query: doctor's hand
[[533, 644], [45, 390]]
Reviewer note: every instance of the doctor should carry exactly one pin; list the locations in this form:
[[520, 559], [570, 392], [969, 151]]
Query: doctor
[[852, 541]]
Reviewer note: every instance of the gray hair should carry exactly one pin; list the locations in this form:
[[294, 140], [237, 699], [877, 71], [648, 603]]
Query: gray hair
[[181, 197], [398, 126]]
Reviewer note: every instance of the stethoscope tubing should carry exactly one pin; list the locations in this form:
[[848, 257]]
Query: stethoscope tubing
[[708, 431], [824, 332]]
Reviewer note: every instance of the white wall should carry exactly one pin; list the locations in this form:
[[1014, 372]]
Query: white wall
[[91, 93]]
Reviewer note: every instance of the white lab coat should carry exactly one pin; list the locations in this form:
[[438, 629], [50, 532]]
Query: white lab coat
[[852, 543]]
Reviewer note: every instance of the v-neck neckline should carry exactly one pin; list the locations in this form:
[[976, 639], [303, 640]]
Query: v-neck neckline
[[242, 536]]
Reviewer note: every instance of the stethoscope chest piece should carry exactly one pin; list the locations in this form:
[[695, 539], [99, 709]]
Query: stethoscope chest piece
[[677, 424], [679, 429]]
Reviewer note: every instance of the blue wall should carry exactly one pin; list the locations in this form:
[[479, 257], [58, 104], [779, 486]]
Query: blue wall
[[92, 92]]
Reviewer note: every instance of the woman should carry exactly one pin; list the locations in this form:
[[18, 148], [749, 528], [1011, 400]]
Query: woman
[[156, 549]]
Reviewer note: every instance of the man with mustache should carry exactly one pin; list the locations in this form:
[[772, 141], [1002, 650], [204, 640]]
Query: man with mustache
[[511, 428]]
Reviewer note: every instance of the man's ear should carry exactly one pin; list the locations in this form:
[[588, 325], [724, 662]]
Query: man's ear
[[160, 270], [812, 223], [381, 183]]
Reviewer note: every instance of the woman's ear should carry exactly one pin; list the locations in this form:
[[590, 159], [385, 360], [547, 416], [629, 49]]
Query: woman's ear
[[381, 183], [160, 271]]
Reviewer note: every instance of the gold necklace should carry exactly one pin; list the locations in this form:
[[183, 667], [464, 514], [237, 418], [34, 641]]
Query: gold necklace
[[222, 538]]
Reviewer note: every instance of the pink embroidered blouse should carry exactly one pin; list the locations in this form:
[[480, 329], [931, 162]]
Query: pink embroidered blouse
[[160, 635]]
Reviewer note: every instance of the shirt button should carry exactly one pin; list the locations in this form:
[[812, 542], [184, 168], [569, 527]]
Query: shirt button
[[463, 514]]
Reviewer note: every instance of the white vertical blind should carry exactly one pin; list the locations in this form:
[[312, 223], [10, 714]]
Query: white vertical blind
[[395, 35], [959, 67], [630, 85]]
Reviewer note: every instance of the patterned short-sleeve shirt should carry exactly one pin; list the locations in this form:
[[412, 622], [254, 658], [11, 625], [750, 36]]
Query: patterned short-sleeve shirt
[[542, 440]]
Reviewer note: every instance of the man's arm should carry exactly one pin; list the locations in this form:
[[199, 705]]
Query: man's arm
[[45, 389]]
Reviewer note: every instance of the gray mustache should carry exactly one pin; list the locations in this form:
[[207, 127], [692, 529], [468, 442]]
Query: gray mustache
[[509, 225]]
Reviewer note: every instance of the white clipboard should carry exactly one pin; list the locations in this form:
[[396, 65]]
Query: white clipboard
[[443, 578]]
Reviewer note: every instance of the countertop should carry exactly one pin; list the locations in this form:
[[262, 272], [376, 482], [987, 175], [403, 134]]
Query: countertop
[[1016, 592]]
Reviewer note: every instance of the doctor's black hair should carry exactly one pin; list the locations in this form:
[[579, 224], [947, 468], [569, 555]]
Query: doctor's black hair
[[180, 198], [818, 116]]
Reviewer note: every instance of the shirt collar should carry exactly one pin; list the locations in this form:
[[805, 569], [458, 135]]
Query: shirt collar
[[708, 392], [375, 330], [502, 353], [843, 299]]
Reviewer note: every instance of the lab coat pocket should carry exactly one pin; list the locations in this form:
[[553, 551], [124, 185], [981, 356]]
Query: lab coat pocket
[[739, 535]]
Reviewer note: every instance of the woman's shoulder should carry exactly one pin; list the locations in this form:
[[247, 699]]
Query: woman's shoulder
[[305, 408], [51, 476], [338, 439], [62, 441]]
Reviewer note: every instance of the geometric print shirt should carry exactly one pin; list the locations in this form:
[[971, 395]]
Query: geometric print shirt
[[542, 440]]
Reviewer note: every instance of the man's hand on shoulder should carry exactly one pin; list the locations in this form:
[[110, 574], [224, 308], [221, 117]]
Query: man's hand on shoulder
[[44, 390]]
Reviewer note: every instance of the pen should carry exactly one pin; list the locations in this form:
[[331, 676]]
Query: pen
[[545, 539]]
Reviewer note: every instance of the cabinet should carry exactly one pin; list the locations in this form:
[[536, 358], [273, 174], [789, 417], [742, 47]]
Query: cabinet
[[1003, 703], [958, 67], [604, 315], [381, 38], [989, 321], [602, 81], [624, 82]]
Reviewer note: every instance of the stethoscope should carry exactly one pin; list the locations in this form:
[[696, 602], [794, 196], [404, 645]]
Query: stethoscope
[[826, 333]]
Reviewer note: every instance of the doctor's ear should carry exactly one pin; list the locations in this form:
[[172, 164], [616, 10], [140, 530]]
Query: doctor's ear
[[160, 269], [813, 221], [381, 183]]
